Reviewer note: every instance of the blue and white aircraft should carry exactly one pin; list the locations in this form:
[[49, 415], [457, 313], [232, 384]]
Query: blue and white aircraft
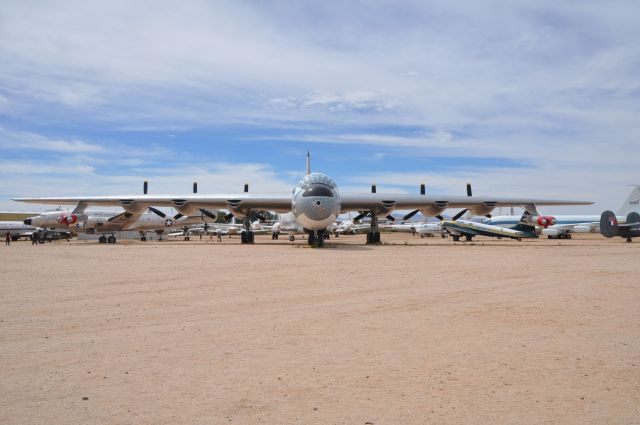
[[562, 226]]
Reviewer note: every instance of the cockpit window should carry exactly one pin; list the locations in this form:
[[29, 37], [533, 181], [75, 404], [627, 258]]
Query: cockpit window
[[317, 178], [318, 190]]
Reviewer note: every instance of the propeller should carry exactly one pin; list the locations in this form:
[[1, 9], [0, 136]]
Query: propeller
[[391, 218], [423, 191], [195, 187], [460, 214], [360, 216], [374, 188], [246, 187], [469, 193], [157, 212], [208, 214], [411, 214], [145, 187]]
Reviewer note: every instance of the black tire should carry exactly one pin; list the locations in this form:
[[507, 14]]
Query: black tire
[[629, 240], [456, 238], [243, 237], [311, 240], [111, 239], [568, 236], [469, 238], [102, 239]]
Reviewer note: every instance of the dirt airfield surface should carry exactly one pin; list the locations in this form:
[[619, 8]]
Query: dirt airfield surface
[[201, 332]]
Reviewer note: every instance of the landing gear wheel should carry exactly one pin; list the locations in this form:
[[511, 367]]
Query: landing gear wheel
[[246, 237], [143, 239], [469, 238], [629, 240], [373, 237], [102, 239], [111, 239], [456, 238], [568, 236], [311, 240]]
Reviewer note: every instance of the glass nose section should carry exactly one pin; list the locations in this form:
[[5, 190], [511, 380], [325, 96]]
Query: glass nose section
[[318, 190]]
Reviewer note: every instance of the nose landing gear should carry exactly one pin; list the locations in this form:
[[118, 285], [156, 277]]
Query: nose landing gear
[[316, 238]]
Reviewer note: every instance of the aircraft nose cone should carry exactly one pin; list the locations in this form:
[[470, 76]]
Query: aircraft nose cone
[[27, 221]]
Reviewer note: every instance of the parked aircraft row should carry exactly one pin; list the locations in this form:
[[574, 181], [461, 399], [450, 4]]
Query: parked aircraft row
[[315, 202]]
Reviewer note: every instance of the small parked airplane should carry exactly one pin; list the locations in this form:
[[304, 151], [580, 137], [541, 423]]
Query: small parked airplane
[[457, 228], [609, 226]]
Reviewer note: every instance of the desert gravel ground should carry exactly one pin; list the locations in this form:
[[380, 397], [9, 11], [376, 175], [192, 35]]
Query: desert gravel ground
[[201, 332]]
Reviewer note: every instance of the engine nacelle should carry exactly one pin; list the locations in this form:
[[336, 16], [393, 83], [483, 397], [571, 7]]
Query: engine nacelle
[[482, 209], [67, 219], [551, 232], [545, 221], [183, 207], [133, 207], [433, 210]]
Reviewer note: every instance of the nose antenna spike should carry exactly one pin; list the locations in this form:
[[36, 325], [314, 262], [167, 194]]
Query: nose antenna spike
[[308, 163]]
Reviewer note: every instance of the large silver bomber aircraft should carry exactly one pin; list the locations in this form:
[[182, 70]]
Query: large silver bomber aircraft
[[316, 202]]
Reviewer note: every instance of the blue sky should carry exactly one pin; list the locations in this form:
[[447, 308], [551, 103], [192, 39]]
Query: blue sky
[[528, 98]]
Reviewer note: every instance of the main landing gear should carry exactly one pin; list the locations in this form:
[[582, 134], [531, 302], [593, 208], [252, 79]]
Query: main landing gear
[[247, 236], [143, 236], [104, 239], [373, 235]]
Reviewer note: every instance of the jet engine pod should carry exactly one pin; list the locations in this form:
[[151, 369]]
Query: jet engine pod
[[545, 221], [67, 219]]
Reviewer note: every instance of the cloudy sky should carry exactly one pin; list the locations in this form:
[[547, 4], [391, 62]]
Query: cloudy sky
[[521, 98]]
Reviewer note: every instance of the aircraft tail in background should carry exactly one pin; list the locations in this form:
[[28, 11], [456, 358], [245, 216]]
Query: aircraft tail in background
[[632, 204]]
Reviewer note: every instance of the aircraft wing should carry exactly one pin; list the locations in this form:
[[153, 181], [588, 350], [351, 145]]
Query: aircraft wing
[[382, 202], [237, 202], [569, 227]]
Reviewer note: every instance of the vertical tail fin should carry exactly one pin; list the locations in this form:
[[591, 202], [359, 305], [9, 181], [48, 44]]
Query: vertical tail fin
[[308, 163], [608, 224], [632, 204]]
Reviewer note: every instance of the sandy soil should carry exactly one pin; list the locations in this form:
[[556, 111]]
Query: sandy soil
[[494, 332]]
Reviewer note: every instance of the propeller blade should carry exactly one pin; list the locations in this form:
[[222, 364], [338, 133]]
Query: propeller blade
[[423, 189], [208, 214], [469, 193], [488, 215], [391, 218], [374, 188], [460, 214], [439, 217], [411, 214], [145, 187], [195, 187], [157, 212], [228, 217], [360, 216], [177, 216]]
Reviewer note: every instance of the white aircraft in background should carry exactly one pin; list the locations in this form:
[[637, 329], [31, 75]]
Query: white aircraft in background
[[564, 225], [16, 229], [107, 222], [315, 201]]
